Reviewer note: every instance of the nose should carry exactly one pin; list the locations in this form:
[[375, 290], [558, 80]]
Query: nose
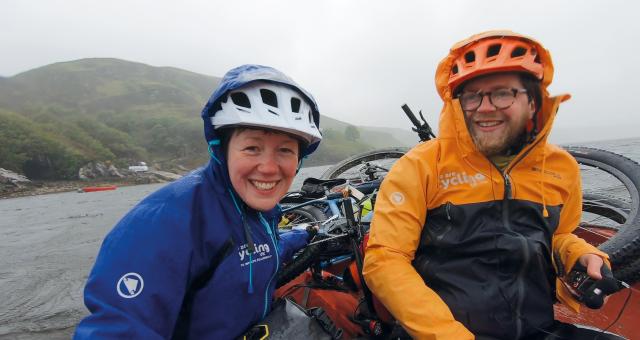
[[268, 164], [485, 104]]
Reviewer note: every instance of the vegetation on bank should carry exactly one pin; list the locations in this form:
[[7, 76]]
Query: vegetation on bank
[[57, 118]]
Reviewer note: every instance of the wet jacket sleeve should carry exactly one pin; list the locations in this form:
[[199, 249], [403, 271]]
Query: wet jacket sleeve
[[400, 213], [136, 287], [290, 243], [567, 247]]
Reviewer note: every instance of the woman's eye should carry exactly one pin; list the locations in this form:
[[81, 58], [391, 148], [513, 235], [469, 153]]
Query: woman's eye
[[251, 148], [287, 150]]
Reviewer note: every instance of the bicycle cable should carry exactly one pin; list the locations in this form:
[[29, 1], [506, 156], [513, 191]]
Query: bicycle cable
[[624, 306]]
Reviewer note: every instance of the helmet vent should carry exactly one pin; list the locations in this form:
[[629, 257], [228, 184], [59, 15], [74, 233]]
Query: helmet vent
[[269, 97], [454, 69], [494, 50], [241, 99], [295, 105], [470, 57], [518, 52]]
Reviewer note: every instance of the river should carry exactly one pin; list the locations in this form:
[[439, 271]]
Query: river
[[48, 244]]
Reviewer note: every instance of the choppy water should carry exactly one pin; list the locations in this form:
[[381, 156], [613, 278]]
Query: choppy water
[[49, 242]]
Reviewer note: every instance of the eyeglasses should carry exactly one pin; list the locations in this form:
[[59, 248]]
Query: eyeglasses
[[500, 98]]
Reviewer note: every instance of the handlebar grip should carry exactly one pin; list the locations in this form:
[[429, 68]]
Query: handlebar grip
[[411, 116]]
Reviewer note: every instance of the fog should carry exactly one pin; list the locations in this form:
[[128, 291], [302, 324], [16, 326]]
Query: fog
[[360, 59]]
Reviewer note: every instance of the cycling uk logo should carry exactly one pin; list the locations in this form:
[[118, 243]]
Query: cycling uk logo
[[454, 178], [263, 252], [130, 285]]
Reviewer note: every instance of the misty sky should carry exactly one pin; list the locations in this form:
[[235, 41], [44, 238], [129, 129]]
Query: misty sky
[[360, 59]]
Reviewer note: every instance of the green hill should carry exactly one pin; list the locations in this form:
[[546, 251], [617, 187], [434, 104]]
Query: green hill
[[56, 118]]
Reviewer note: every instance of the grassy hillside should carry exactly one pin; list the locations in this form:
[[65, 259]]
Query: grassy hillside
[[59, 117]]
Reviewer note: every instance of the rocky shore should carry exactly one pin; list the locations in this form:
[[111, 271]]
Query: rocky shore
[[15, 185]]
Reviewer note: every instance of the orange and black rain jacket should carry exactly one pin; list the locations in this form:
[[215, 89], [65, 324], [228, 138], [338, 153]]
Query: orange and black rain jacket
[[458, 248]]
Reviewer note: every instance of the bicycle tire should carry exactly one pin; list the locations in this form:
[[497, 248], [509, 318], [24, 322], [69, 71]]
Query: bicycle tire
[[624, 247], [629, 273], [339, 169], [306, 214], [606, 206], [296, 267]]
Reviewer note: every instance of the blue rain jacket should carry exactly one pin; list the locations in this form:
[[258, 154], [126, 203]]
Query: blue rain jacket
[[178, 266]]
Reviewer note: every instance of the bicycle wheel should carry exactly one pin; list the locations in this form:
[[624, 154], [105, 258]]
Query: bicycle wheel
[[355, 168], [307, 214], [611, 191], [601, 217]]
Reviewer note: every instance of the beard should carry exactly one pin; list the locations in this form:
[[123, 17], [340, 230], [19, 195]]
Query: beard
[[498, 142]]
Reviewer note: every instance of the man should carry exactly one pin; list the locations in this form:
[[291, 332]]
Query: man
[[472, 229]]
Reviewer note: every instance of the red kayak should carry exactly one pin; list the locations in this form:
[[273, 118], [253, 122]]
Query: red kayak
[[101, 188]]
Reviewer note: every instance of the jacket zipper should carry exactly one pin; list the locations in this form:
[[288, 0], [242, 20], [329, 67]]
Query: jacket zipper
[[508, 195]]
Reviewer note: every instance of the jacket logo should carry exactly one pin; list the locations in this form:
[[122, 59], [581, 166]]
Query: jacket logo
[[547, 172], [130, 285], [458, 178], [263, 252], [397, 198]]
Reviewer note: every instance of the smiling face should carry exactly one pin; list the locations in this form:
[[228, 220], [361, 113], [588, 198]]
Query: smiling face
[[496, 130], [262, 165]]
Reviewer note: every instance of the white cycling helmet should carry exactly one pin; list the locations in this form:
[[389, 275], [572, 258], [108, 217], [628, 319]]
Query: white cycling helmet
[[268, 105]]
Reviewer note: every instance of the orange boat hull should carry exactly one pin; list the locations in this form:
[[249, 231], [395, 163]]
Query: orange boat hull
[[103, 188]]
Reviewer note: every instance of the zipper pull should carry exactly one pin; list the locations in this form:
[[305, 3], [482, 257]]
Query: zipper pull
[[447, 209], [507, 187]]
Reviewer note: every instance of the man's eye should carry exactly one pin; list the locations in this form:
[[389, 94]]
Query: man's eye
[[469, 97], [502, 93]]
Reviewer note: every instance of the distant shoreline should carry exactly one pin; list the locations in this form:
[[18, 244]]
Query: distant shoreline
[[52, 187]]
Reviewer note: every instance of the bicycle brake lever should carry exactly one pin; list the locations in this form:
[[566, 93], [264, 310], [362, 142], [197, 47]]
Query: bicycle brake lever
[[329, 238]]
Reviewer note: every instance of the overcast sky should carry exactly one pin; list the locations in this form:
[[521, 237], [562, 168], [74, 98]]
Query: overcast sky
[[360, 59]]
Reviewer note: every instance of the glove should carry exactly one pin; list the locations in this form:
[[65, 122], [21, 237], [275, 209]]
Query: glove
[[312, 230], [589, 291]]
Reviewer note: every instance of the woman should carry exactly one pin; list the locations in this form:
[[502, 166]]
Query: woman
[[197, 259]]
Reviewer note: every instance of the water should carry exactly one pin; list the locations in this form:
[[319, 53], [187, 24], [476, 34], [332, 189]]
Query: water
[[48, 244]]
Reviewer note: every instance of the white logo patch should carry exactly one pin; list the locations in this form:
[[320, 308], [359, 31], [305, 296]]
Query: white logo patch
[[130, 285], [453, 178], [397, 198], [263, 252]]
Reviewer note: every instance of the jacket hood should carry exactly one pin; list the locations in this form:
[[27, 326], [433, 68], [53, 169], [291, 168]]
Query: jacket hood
[[452, 123], [241, 76]]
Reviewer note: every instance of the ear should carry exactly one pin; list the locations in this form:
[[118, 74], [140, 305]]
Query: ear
[[529, 125], [531, 108]]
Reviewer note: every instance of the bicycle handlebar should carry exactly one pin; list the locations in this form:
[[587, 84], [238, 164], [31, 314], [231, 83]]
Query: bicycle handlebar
[[423, 129], [411, 116]]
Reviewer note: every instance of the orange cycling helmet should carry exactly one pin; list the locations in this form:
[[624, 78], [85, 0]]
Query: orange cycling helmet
[[489, 52]]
